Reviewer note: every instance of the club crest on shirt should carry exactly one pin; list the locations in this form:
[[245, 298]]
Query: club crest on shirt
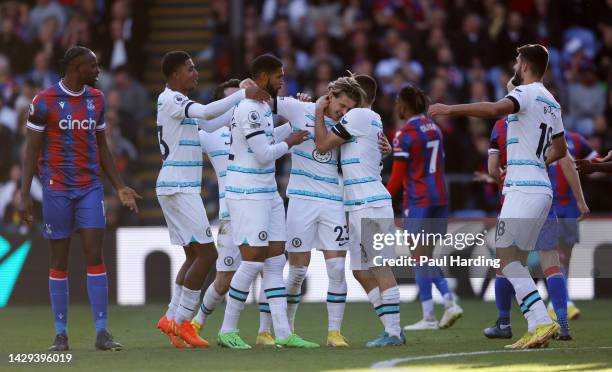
[[179, 99], [321, 157], [90, 105]]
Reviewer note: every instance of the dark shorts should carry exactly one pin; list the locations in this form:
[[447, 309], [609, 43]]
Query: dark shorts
[[432, 220], [64, 213]]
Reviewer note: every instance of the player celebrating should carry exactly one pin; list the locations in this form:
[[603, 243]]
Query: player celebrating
[[535, 123], [418, 166], [217, 146], [315, 216], [178, 187], [553, 233], [256, 209], [365, 198], [66, 136]]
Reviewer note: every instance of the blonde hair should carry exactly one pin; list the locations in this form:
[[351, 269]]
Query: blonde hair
[[350, 87]]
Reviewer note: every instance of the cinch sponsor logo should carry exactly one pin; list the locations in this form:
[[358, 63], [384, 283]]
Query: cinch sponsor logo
[[68, 123]]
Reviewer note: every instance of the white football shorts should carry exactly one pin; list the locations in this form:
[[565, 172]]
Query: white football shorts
[[186, 218], [316, 224]]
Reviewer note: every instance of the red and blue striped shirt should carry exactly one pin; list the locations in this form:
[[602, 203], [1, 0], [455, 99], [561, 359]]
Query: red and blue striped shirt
[[420, 142], [69, 159]]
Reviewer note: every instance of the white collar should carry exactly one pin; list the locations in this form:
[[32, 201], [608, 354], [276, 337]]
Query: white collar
[[68, 91]]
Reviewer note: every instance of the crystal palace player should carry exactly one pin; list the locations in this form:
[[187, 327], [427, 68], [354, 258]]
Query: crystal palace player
[[418, 166], [538, 128], [66, 135]]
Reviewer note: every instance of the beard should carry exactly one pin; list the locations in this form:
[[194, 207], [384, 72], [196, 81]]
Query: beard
[[273, 92], [517, 79]]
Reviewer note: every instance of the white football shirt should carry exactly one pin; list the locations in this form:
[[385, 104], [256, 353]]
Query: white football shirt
[[360, 159], [216, 145], [531, 128], [313, 175]]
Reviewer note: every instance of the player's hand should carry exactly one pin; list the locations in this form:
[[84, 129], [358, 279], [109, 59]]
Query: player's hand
[[25, 209], [605, 158], [296, 138], [483, 177], [303, 97], [583, 208], [384, 146], [322, 104], [128, 197], [247, 83], [584, 166], [438, 109], [257, 94]]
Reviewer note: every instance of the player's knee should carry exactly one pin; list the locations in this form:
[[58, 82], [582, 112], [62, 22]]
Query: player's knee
[[335, 269], [296, 275], [222, 282], [549, 259]]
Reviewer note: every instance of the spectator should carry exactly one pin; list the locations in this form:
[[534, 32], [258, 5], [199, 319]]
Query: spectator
[[587, 99], [134, 99], [43, 10], [13, 46], [42, 73]]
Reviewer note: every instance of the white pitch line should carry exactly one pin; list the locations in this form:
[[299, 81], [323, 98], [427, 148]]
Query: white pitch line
[[385, 364]]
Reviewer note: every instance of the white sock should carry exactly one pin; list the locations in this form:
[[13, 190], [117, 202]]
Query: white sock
[[527, 295], [174, 301], [390, 311], [336, 292], [449, 301], [265, 318], [238, 293], [211, 299], [276, 293], [375, 300], [428, 310], [189, 302], [294, 291]]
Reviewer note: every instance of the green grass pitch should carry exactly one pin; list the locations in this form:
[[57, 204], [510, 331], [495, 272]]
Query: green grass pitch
[[30, 330]]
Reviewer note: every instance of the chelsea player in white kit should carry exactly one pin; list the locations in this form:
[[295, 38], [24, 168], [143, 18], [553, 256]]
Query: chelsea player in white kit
[[257, 210], [315, 216], [217, 147], [535, 137], [178, 187], [365, 197]]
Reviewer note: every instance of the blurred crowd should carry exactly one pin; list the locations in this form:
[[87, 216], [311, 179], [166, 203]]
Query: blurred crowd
[[33, 38], [456, 51]]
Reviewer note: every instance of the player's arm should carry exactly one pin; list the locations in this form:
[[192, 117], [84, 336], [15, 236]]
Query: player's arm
[[326, 140], [571, 175], [504, 106], [127, 195], [33, 144], [282, 132], [399, 168], [588, 166], [255, 136], [217, 108], [558, 149], [213, 124], [493, 167]]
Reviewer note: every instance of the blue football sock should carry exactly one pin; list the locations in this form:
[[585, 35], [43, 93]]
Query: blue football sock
[[97, 288], [564, 271], [558, 296], [58, 292], [439, 280], [424, 282], [503, 299]]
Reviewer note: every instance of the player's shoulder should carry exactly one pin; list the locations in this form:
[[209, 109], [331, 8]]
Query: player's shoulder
[[247, 105], [49, 92], [171, 96], [358, 113], [94, 92]]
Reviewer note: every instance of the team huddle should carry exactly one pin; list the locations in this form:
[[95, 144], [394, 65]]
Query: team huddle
[[336, 145]]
